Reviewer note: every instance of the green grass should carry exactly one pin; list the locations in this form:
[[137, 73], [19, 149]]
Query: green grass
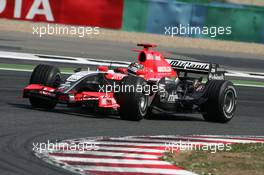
[[250, 147], [242, 159]]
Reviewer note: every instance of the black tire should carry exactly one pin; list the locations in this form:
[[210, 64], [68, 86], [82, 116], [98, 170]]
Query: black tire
[[151, 114], [48, 76], [221, 101], [133, 105]]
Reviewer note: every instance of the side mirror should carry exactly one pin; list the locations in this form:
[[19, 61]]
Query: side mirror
[[102, 68], [79, 69]]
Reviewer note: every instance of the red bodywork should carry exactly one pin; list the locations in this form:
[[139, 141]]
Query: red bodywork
[[154, 64]]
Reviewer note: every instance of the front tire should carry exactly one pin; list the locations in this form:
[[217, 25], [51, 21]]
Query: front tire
[[221, 101], [45, 75], [133, 104]]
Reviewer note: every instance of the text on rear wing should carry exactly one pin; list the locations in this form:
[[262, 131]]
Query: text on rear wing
[[189, 65]]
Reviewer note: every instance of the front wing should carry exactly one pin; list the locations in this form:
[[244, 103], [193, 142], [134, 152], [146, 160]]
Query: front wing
[[105, 100]]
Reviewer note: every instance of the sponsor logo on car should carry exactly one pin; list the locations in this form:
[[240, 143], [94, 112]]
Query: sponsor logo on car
[[214, 76], [153, 57], [77, 76], [172, 98], [164, 69], [180, 64]]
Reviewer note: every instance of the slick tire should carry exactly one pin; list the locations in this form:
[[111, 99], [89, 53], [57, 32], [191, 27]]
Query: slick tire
[[152, 114], [133, 105], [221, 101], [46, 75]]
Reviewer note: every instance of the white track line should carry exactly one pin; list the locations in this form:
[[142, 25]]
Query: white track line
[[61, 59], [28, 70], [228, 136], [204, 136], [97, 62], [249, 85], [243, 74], [13, 69]]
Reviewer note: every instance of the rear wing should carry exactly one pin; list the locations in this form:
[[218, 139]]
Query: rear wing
[[188, 66]]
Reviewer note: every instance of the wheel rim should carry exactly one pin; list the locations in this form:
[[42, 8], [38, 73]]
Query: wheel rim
[[229, 102], [142, 104], [57, 80]]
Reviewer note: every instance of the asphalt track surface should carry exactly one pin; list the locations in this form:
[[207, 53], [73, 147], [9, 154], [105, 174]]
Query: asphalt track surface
[[85, 47], [21, 125]]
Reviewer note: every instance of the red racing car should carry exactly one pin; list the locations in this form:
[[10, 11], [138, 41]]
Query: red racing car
[[144, 89]]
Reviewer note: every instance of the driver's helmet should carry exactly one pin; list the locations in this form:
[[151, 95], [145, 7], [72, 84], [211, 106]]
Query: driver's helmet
[[134, 67]]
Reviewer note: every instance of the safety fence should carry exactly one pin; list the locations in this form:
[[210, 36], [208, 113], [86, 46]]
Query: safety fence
[[154, 16]]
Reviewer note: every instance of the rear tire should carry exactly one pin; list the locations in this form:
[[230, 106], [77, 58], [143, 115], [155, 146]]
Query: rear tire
[[133, 105], [45, 75], [152, 114], [221, 101]]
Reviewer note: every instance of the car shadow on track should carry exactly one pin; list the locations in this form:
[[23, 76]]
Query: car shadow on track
[[79, 112], [176, 117], [83, 112]]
